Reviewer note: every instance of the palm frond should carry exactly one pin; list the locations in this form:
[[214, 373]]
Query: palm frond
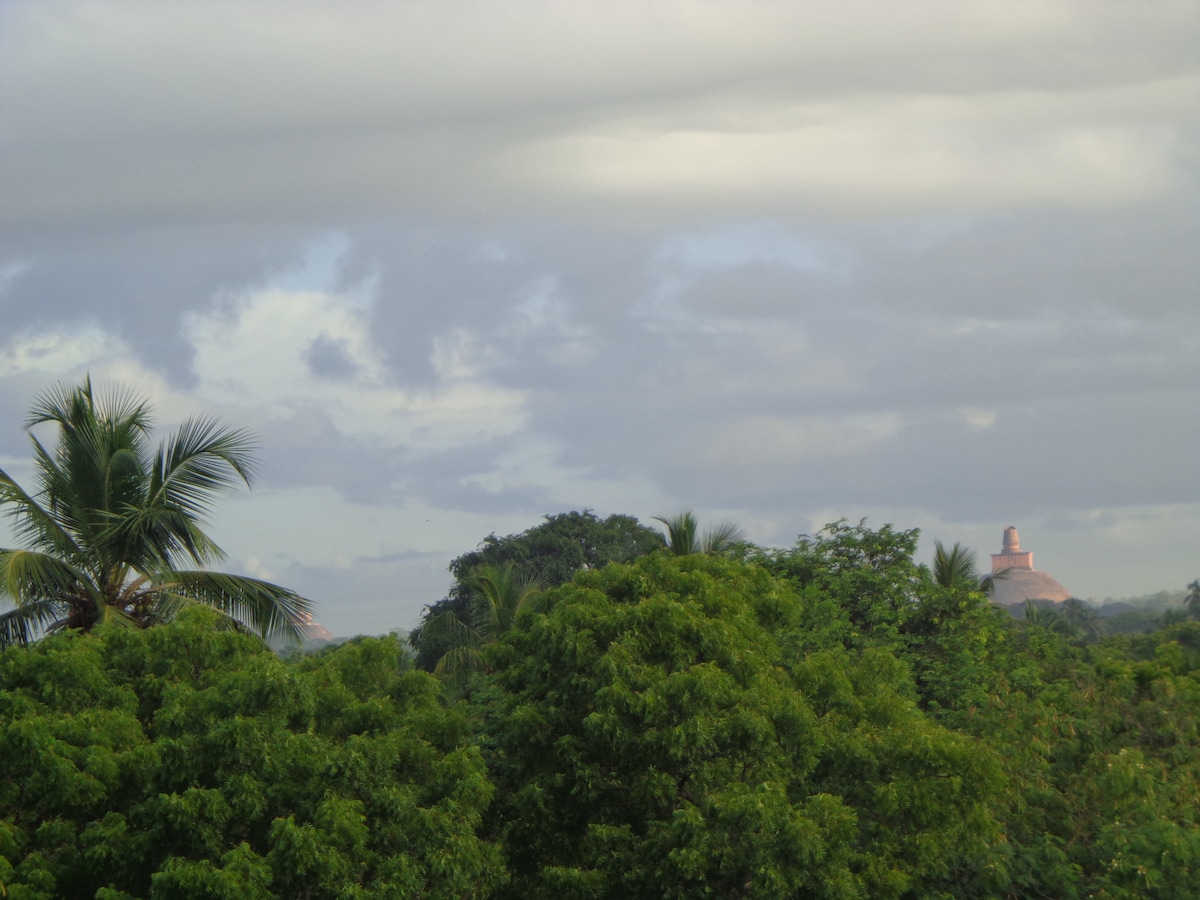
[[33, 523], [107, 510], [460, 662], [61, 402], [28, 576], [73, 406], [954, 568], [1192, 600], [158, 536], [267, 609], [450, 628], [683, 535], [198, 463], [682, 529], [25, 623], [500, 593], [721, 538]]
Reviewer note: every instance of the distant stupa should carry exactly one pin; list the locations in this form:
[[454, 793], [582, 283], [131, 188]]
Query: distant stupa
[[314, 630], [1014, 579]]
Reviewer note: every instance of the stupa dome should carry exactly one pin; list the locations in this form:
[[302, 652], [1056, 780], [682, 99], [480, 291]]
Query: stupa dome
[[1015, 580]]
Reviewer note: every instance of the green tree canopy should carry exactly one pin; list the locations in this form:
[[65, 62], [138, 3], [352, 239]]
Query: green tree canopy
[[188, 762], [549, 553], [658, 733], [113, 522]]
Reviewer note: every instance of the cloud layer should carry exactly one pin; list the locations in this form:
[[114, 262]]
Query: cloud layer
[[464, 264]]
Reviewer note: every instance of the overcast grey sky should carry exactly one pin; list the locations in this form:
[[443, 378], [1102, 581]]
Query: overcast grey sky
[[463, 264]]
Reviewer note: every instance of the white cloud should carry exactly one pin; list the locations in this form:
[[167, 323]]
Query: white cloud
[[65, 353], [255, 350], [976, 418]]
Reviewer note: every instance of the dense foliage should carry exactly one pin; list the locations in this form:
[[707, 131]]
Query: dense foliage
[[660, 732], [832, 720], [549, 553], [190, 762]]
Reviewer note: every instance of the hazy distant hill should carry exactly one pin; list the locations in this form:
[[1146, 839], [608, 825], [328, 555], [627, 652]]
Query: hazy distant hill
[[1125, 615]]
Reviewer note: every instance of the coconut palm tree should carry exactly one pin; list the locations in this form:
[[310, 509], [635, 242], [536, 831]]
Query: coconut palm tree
[[683, 536], [498, 594], [112, 523], [1047, 619], [1192, 600], [1083, 619], [954, 567]]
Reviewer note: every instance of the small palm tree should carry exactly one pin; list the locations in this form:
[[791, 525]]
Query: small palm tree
[[954, 568], [112, 520], [1192, 600], [1083, 619], [1047, 619], [498, 594], [683, 536]]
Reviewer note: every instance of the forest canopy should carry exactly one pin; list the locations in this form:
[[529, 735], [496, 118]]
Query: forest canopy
[[825, 721]]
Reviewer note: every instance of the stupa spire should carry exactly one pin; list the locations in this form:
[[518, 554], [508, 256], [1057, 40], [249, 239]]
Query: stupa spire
[[1011, 556], [1012, 541]]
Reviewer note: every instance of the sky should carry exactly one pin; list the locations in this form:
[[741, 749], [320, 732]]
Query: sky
[[463, 264]]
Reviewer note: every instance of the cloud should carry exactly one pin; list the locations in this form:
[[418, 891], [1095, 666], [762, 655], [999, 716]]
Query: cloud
[[878, 155], [258, 347], [461, 265], [47, 354], [656, 111]]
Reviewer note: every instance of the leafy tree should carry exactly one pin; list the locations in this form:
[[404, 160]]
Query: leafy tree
[[683, 536], [867, 577], [657, 733], [188, 762], [551, 552], [112, 520]]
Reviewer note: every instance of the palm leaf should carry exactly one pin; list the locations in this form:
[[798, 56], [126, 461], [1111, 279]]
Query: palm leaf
[[198, 463], [680, 538], [29, 577], [721, 538], [954, 568], [32, 522], [683, 536], [158, 536], [500, 593], [26, 622], [457, 664], [449, 627], [270, 611]]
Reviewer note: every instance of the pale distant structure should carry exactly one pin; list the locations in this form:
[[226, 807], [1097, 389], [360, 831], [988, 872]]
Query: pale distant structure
[[314, 630], [1015, 580]]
